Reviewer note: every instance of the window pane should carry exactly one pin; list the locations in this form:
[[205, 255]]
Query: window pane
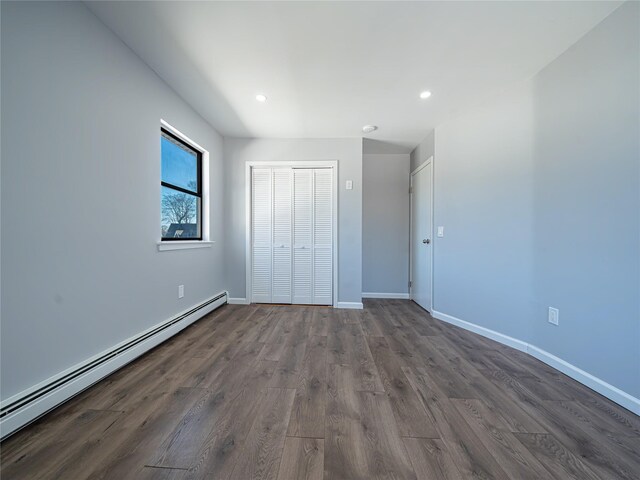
[[180, 214], [179, 164]]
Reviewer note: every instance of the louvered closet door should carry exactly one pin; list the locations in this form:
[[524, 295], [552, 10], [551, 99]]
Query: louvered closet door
[[302, 235], [261, 234], [322, 236], [282, 230], [292, 235]]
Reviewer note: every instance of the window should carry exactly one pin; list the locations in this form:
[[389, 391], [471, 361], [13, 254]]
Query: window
[[181, 181]]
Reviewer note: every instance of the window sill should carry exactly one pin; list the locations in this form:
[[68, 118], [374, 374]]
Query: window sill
[[183, 245]]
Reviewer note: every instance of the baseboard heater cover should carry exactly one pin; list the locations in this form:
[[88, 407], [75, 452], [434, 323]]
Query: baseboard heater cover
[[14, 412]]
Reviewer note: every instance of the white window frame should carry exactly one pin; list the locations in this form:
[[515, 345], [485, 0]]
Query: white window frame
[[206, 242]]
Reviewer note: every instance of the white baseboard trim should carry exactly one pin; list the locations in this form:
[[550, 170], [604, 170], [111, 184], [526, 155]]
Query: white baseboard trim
[[400, 296], [594, 383], [485, 332], [237, 301], [26, 406], [352, 305], [612, 393], [244, 301]]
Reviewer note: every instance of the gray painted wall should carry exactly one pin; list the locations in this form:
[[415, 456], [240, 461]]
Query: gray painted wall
[[539, 193], [81, 194], [385, 223], [423, 151], [348, 152], [483, 198], [371, 146], [586, 201]]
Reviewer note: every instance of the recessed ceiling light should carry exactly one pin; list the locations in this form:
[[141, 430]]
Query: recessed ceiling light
[[369, 128], [261, 98], [425, 94]]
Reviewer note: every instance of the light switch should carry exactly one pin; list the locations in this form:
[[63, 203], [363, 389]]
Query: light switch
[[349, 184], [441, 231]]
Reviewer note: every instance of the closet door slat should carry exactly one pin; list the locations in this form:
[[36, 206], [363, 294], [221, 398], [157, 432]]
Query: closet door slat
[[322, 236], [303, 236], [261, 226], [282, 231]]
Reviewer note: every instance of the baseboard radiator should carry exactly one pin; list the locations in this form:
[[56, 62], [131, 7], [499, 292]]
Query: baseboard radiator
[[27, 406]]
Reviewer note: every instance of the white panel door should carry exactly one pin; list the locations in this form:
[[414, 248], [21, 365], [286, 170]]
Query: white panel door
[[282, 230], [261, 235], [421, 237], [323, 236], [302, 236]]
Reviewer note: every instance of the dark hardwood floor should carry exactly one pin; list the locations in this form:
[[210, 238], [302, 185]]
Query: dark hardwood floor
[[293, 393]]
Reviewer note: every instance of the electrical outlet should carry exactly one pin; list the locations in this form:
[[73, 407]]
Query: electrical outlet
[[180, 291], [554, 316], [349, 185]]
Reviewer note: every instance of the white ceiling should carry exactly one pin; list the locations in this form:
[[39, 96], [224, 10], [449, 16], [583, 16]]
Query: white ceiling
[[328, 68]]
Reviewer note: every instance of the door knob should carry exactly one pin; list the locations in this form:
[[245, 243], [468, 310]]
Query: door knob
[[427, 241]]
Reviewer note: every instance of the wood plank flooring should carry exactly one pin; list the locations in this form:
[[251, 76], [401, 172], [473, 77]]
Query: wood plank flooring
[[265, 392]]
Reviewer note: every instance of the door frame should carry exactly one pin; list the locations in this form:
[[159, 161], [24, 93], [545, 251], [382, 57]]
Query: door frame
[[249, 165], [429, 161]]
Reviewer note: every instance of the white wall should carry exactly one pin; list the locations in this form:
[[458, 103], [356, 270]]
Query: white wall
[[539, 194], [348, 152], [385, 224], [423, 151], [81, 194], [483, 198]]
